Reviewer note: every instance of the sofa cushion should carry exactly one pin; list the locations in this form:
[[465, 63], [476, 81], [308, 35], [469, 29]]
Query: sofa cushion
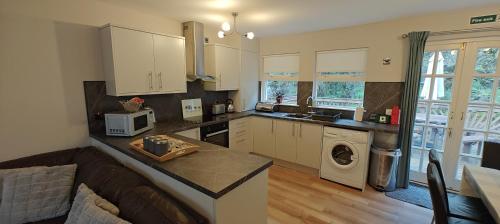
[[108, 179], [89, 208], [147, 205], [36, 193], [103, 174]]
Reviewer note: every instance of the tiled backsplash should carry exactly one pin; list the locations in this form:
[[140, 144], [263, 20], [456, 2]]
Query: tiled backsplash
[[166, 106], [378, 97]]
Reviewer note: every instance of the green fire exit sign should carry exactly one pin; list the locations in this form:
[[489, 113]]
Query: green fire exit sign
[[483, 19]]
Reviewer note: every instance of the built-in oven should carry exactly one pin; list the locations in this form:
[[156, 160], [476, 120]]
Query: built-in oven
[[216, 134]]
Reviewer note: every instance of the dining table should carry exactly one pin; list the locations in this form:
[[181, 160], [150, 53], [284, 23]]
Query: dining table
[[483, 183]]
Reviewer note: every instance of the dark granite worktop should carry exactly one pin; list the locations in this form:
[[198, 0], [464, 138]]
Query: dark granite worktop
[[176, 126], [213, 170]]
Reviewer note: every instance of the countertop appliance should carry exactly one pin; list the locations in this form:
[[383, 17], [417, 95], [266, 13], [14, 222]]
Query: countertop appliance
[[230, 106], [266, 107], [129, 124], [345, 156], [216, 134], [218, 108]]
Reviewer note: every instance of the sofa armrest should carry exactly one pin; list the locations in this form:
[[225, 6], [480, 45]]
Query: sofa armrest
[[56, 158]]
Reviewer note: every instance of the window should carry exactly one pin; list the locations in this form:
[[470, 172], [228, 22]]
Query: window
[[280, 78], [340, 76], [340, 94], [274, 88]]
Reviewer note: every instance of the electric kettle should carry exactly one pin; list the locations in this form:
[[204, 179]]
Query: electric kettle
[[230, 106]]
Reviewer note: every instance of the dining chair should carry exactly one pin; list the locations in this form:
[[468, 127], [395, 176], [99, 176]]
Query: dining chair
[[438, 197], [491, 155], [460, 206]]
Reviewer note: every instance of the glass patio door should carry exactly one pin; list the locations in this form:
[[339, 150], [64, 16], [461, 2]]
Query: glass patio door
[[438, 91], [458, 107], [478, 107]]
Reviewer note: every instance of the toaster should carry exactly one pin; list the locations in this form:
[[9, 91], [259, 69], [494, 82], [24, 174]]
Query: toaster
[[266, 107], [218, 108]]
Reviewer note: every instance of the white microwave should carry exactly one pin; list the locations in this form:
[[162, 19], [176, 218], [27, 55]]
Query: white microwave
[[129, 124]]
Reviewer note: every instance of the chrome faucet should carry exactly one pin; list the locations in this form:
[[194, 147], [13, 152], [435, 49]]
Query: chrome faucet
[[309, 103]]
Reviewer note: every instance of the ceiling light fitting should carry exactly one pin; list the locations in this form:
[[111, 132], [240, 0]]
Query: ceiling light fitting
[[226, 27]]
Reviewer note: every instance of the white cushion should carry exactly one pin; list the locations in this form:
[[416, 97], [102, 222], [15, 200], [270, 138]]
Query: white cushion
[[90, 208], [35, 193]]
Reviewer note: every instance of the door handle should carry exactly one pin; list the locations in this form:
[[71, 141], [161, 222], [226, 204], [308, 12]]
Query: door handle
[[300, 130], [161, 81], [150, 80]]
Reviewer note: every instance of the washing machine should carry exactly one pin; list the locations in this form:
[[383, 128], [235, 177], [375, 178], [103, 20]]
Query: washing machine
[[345, 156]]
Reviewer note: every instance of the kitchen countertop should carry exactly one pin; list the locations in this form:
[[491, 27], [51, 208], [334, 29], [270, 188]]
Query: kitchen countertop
[[181, 125], [214, 170]]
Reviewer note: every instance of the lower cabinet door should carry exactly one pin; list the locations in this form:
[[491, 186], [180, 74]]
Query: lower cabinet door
[[263, 136], [309, 144], [286, 140]]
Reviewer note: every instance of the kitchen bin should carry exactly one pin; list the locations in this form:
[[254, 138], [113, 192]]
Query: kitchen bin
[[383, 168]]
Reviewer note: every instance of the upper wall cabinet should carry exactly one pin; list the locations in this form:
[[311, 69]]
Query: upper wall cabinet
[[140, 63], [223, 63]]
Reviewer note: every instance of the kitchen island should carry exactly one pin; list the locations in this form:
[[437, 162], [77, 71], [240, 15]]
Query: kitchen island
[[225, 186]]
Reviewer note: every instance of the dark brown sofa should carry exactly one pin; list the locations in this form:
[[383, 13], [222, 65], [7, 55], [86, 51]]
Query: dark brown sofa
[[138, 199]]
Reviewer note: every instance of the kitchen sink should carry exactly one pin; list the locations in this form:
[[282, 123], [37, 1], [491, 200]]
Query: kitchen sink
[[297, 115], [325, 117]]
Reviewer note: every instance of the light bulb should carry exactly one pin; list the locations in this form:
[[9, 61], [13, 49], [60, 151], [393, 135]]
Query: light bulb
[[250, 35], [221, 34], [225, 26]]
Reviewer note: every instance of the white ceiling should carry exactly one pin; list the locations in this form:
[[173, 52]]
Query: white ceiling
[[278, 17]]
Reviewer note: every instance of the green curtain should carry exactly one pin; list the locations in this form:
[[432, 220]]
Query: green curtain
[[409, 103]]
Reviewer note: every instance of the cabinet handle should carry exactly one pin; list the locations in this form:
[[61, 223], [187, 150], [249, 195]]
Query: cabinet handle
[[161, 81], [150, 80], [272, 126], [300, 130], [240, 141], [220, 81], [293, 129]]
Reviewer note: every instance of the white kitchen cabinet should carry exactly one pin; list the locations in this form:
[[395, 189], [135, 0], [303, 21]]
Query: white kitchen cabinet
[[191, 133], [286, 140], [263, 136], [170, 64], [223, 63], [240, 135], [309, 144], [140, 63], [247, 95]]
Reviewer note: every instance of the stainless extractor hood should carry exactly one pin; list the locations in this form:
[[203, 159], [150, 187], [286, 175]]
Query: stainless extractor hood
[[195, 52]]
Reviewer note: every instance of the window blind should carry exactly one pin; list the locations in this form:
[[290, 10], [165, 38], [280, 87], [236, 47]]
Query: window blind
[[278, 67], [337, 63]]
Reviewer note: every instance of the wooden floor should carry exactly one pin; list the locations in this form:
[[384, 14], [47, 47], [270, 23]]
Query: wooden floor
[[298, 197]]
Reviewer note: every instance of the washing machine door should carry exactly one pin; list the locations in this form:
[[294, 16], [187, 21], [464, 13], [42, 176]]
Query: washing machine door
[[344, 155]]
